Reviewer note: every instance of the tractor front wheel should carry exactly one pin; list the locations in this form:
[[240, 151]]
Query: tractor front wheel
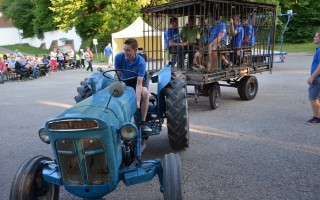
[[172, 181], [29, 184]]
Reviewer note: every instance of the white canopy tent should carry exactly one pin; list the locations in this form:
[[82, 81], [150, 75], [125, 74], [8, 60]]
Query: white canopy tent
[[152, 43]]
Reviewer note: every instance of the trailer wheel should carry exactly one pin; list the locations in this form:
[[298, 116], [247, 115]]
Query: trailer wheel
[[214, 95], [29, 184], [177, 113], [83, 91], [248, 87], [172, 181]]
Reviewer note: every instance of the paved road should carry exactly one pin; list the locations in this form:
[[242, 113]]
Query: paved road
[[258, 149]]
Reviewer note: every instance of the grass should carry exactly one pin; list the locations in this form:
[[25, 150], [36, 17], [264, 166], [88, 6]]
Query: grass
[[306, 47], [25, 48]]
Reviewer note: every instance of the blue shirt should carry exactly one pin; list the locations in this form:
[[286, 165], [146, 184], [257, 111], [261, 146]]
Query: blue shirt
[[138, 65], [248, 30], [108, 50], [236, 41], [172, 34], [315, 62], [220, 27]]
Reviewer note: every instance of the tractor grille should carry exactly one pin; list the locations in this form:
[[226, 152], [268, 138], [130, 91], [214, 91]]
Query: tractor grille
[[87, 154]]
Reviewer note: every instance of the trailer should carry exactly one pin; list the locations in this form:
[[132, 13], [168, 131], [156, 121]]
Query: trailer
[[246, 60]]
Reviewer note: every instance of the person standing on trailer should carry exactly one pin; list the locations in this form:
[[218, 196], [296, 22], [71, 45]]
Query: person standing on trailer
[[174, 43], [249, 37]]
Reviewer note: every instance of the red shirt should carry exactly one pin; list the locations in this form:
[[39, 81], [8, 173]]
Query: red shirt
[[3, 66]]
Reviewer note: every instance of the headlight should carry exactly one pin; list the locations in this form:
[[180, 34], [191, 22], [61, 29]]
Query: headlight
[[44, 136], [128, 130]]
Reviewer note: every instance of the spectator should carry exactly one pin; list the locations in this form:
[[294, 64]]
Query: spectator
[[61, 60], [71, 58], [11, 63], [78, 63], [33, 67], [45, 64], [5, 57], [3, 70], [53, 60], [21, 70], [83, 57], [17, 53], [88, 56], [108, 53]]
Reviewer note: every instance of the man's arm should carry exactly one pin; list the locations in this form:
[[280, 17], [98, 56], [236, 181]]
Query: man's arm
[[233, 32], [314, 74], [139, 90]]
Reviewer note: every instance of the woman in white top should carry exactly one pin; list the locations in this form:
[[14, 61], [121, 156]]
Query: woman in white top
[[53, 60]]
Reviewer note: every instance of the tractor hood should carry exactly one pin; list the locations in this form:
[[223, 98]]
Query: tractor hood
[[103, 103]]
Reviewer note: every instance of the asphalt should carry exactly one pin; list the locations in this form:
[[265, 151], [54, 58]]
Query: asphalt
[[259, 149]]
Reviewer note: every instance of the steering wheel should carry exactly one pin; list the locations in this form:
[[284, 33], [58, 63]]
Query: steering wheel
[[119, 75]]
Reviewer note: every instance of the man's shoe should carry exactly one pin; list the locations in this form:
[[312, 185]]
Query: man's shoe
[[145, 129], [313, 121]]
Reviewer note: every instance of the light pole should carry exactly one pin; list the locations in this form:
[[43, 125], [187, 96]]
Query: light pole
[[95, 42]]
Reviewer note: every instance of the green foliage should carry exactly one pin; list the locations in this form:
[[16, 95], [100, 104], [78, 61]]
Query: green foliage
[[43, 21], [303, 25], [20, 11]]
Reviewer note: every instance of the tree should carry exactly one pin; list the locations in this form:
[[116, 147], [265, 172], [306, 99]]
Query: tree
[[43, 21]]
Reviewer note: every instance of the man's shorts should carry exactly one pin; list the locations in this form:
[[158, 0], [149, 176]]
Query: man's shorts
[[314, 89]]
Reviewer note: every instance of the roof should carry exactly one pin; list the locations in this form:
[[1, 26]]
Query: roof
[[135, 30], [202, 7], [5, 23]]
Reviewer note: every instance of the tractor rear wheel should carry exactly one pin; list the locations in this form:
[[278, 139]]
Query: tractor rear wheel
[[172, 181], [83, 91], [214, 95], [177, 113], [29, 184]]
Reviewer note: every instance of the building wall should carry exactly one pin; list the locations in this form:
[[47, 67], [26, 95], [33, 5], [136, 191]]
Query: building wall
[[9, 36]]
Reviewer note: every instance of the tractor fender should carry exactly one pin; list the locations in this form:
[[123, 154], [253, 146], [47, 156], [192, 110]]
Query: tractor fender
[[164, 77]]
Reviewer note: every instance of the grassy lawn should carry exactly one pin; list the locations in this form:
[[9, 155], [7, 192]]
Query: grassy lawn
[[307, 47], [24, 48]]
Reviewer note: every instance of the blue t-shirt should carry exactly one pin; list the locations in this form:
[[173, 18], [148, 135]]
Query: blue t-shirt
[[172, 34], [248, 30], [108, 50], [220, 27], [236, 41], [316, 61], [138, 65]]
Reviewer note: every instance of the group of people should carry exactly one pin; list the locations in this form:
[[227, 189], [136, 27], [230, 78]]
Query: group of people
[[58, 59], [32, 66], [23, 66], [202, 42]]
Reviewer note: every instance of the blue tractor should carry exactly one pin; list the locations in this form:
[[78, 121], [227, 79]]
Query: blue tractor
[[98, 142]]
